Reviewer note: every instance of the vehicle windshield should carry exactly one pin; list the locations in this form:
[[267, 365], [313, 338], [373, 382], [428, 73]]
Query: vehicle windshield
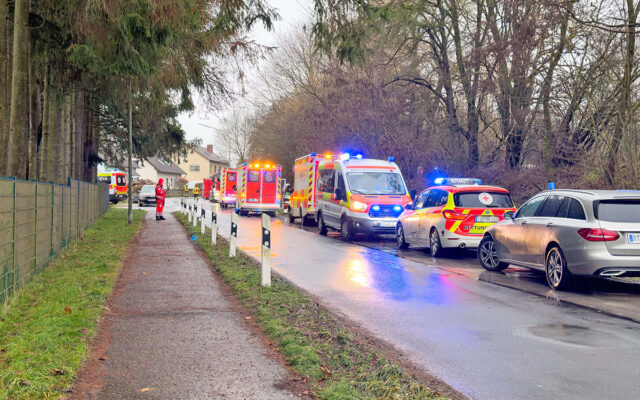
[[619, 211], [482, 200], [147, 189], [120, 180], [376, 183]]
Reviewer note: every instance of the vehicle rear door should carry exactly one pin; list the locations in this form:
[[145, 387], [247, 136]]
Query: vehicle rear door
[[324, 194], [253, 186], [623, 216], [426, 215], [511, 236], [269, 190], [231, 183], [540, 229]]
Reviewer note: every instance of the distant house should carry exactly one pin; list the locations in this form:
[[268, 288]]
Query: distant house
[[155, 168], [202, 163]]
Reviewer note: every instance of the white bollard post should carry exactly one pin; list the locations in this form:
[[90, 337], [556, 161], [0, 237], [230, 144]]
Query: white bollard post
[[188, 212], [215, 211], [203, 221], [195, 213], [266, 250], [234, 235]]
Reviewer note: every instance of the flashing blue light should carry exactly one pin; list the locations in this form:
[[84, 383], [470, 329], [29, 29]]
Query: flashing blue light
[[344, 156], [375, 208], [552, 185], [439, 181], [313, 154], [245, 164], [359, 156], [392, 158], [397, 208]]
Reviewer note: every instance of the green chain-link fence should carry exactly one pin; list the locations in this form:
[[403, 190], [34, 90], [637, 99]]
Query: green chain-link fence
[[37, 220]]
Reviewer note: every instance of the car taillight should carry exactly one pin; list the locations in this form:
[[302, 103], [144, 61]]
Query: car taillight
[[598, 235], [450, 214]]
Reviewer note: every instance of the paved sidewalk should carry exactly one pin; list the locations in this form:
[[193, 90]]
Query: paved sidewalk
[[171, 333]]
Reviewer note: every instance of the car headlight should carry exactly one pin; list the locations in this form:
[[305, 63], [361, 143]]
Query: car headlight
[[358, 206]]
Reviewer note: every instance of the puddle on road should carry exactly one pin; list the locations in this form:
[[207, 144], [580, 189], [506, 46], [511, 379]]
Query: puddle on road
[[575, 335]]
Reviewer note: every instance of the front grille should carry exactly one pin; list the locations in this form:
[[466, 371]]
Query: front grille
[[385, 211]]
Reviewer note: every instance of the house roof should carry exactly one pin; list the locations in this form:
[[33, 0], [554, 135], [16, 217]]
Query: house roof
[[165, 166], [210, 156]]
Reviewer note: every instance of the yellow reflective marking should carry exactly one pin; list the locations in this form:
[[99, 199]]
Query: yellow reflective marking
[[456, 224]]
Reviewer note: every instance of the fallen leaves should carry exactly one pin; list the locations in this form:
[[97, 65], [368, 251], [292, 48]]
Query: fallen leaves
[[58, 371], [68, 310], [145, 390]]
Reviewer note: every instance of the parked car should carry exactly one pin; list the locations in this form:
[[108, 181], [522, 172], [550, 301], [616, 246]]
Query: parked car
[[147, 195], [454, 214], [567, 233]]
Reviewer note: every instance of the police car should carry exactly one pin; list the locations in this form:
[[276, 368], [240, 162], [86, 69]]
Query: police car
[[453, 214]]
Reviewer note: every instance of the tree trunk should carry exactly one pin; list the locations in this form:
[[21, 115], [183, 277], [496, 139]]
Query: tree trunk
[[66, 132], [45, 172], [4, 83], [20, 70], [625, 107], [80, 133], [59, 142], [34, 117]]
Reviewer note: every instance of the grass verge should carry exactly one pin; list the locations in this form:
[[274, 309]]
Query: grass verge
[[316, 344], [45, 332]]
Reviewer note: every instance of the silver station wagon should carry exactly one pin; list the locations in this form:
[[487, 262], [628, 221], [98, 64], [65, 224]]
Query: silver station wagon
[[568, 233]]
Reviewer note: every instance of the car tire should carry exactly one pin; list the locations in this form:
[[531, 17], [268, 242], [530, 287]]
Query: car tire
[[292, 219], [400, 239], [322, 227], [556, 271], [271, 214], [346, 230], [244, 213], [435, 245], [488, 257]]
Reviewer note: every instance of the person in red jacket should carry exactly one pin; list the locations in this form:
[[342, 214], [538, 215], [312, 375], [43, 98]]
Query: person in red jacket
[[159, 200]]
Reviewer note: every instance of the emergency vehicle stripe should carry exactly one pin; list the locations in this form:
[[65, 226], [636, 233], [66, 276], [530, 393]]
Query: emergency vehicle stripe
[[456, 224], [309, 199]]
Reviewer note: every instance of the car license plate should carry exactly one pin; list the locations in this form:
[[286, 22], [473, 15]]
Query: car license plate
[[487, 219], [386, 224], [633, 238]]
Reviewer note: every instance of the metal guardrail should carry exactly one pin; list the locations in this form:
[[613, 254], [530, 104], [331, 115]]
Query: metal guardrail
[[38, 220]]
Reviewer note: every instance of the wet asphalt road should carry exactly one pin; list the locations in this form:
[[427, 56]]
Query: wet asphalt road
[[170, 331], [486, 340]]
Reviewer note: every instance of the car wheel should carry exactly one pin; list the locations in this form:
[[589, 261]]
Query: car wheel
[[346, 231], [488, 256], [322, 227], [292, 219], [402, 243], [435, 246], [271, 214], [244, 213], [556, 271]]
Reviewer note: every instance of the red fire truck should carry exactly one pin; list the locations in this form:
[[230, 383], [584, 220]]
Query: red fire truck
[[259, 188], [226, 187], [207, 186]]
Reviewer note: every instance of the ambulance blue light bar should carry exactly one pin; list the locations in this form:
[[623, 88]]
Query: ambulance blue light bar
[[345, 156], [359, 156], [457, 181], [392, 159]]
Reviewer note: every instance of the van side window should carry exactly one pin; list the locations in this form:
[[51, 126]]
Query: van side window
[[431, 200], [325, 181]]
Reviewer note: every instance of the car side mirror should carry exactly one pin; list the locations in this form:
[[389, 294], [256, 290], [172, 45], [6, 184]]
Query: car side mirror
[[408, 206], [339, 192], [508, 215], [412, 193]]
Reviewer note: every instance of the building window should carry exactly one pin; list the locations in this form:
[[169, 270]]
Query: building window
[[194, 168]]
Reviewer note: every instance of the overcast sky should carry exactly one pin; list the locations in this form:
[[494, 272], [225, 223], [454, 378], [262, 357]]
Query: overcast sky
[[292, 13]]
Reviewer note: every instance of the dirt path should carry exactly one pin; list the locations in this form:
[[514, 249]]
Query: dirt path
[[171, 332]]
